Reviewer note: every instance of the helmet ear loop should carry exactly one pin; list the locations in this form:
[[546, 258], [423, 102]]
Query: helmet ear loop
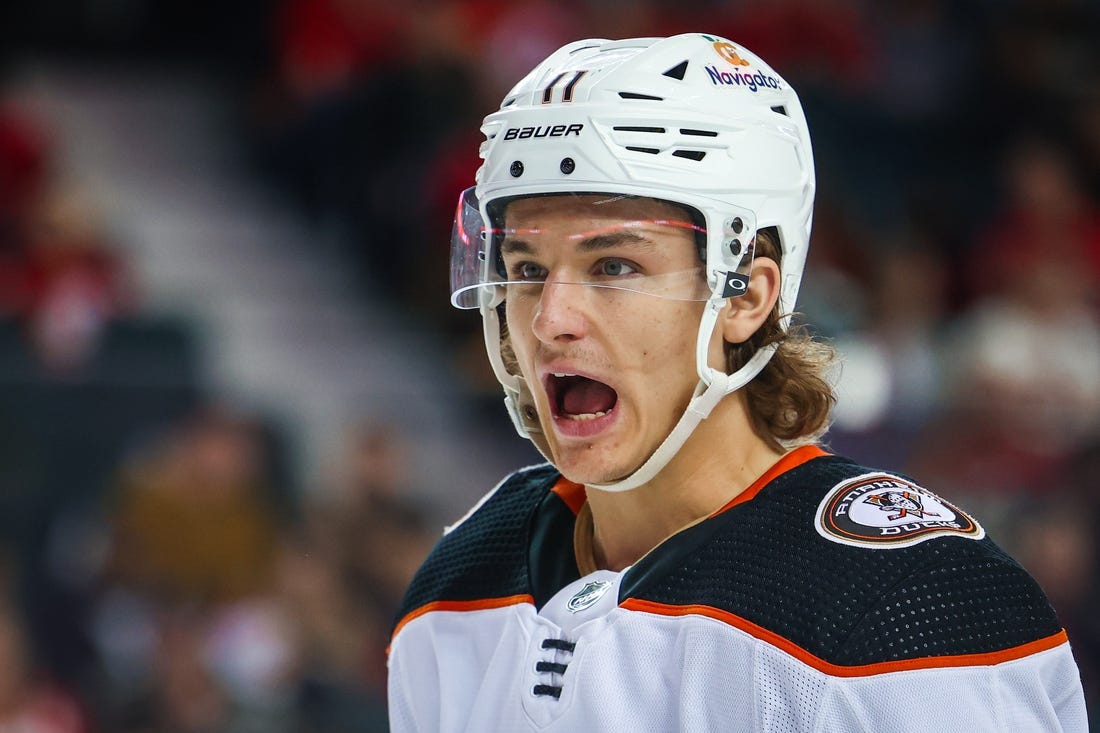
[[731, 283], [493, 321], [495, 334], [528, 414]]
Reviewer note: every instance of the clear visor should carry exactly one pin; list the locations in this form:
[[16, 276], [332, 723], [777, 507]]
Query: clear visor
[[659, 256]]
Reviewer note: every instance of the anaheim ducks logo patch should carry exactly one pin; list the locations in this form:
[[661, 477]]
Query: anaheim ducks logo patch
[[882, 510]]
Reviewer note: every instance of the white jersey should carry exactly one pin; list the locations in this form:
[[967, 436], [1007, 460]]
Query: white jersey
[[824, 598]]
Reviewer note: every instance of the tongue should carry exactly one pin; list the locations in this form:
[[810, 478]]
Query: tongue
[[587, 396]]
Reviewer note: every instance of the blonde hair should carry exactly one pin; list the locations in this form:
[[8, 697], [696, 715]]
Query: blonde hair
[[789, 401]]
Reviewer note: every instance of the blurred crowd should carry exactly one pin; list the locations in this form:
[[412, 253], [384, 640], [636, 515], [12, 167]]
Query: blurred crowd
[[161, 570]]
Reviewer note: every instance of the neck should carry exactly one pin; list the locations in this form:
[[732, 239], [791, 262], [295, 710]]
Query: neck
[[721, 459]]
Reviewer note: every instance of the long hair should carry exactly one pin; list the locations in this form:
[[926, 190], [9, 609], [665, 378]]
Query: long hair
[[789, 401]]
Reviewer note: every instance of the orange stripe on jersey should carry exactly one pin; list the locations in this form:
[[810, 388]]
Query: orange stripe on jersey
[[572, 494], [478, 605], [837, 670], [792, 460]]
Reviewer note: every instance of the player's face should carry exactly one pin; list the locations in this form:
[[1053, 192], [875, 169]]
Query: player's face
[[612, 368]]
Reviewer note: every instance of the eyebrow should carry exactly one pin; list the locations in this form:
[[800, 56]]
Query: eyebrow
[[607, 241], [515, 246], [594, 243]]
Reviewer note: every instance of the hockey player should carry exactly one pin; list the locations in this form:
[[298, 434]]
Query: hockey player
[[690, 559]]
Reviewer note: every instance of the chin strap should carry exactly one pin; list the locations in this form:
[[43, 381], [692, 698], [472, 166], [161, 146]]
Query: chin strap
[[705, 399], [702, 403]]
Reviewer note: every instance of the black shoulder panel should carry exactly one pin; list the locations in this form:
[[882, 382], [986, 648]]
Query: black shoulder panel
[[486, 555], [964, 605], [765, 562]]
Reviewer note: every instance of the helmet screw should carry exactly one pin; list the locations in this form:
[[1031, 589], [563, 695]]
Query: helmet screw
[[737, 225], [735, 247], [530, 412], [567, 166], [516, 169]]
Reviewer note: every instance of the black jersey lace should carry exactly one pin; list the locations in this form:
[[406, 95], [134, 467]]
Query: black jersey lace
[[552, 668]]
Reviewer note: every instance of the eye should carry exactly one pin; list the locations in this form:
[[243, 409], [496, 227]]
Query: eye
[[528, 271], [615, 268]]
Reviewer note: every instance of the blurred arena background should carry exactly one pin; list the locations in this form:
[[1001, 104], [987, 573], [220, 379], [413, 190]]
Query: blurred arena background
[[236, 409]]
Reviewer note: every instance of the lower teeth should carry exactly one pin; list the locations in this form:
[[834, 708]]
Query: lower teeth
[[586, 416]]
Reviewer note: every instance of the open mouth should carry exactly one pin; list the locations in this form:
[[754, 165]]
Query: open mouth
[[579, 399]]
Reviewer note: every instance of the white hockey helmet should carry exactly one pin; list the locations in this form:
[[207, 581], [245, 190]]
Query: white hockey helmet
[[693, 119]]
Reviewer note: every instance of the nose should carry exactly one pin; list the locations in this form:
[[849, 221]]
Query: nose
[[561, 314]]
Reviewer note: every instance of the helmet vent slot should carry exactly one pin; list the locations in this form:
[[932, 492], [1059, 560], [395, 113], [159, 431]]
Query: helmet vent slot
[[508, 102], [699, 133], [639, 95], [632, 128], [637, 149], [690, 154], [780, 109], [677, 71]]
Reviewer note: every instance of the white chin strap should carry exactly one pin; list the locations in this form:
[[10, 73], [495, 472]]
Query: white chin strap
[[705, 399]]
